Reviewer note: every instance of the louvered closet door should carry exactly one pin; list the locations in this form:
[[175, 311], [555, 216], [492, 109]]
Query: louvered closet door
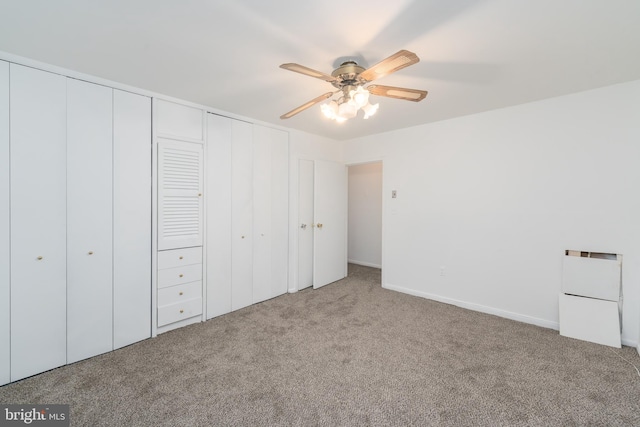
[[89, 220], [179, 194], [38, 221]]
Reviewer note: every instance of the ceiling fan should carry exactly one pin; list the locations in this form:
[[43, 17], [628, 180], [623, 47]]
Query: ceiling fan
[[350, 78]]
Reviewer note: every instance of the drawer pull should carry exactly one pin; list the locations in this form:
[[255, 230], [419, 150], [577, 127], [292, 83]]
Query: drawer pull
[[181, 275], [40, 258], [90, 252], [181, 257], [180, 293], [181, 311]]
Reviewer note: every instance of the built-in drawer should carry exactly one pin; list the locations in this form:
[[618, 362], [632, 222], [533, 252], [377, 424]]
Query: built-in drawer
[[179, 311], [179, 293], [179, 275], [179, 257]]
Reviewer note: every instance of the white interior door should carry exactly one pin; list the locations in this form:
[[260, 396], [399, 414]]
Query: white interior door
[[261, 214], [89, 220], [38, 221], [305, 230], [219, 237], [270, 212], [242, 215], [330, 215], [131, 219], [5, 249]]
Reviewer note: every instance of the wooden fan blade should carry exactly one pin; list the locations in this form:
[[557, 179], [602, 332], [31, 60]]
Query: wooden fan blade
[[307, 105], [395, 62], [414, 95], [308, 71]]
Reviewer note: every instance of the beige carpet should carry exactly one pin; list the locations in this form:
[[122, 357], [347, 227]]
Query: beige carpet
[[348, 354]]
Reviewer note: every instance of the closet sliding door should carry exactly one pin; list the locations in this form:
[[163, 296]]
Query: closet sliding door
[[38, 221], [89, 220]]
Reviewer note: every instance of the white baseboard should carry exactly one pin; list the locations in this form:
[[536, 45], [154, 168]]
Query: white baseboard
[[630, 343], [494, 311], [478, 307], [366, 264]]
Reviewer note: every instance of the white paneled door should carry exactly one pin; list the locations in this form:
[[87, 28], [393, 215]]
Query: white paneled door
[[131, 218], [219, 163], [330, 215], [5, 247], [180, 187], [247, 178], [242, 215], [270, 212], [305, 224], [38, 221], [89, 220]]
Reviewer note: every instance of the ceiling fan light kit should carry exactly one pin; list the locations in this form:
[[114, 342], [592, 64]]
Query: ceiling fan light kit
[[350, 78]]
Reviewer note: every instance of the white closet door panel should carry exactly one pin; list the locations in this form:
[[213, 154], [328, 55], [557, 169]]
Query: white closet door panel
[[132, 218], [5, 249], [38, 221], [261, 214], [241, 223], [279, 212], [89, 220], [305, 218], [330, 214], [218, 186], [180, 183]]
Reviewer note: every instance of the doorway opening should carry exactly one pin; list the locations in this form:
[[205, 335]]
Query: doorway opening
[[364, 231]]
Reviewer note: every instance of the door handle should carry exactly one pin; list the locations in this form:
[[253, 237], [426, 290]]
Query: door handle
[[303, 226]]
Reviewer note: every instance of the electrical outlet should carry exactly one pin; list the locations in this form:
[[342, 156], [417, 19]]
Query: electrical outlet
[[394, 194], [442, 270]]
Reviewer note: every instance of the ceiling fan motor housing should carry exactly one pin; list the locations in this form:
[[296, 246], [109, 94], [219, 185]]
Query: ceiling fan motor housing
[[347, 74]]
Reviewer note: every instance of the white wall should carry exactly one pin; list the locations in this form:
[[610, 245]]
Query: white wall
[[365, 214], [488, 203]]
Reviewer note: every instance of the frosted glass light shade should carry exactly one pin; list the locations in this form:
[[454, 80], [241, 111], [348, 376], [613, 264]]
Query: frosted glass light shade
[[370, 110], [360, 97], [347, 110], [330, 110]]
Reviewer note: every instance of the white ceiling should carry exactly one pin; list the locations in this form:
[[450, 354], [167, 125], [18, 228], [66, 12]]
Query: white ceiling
[[476, 55]]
